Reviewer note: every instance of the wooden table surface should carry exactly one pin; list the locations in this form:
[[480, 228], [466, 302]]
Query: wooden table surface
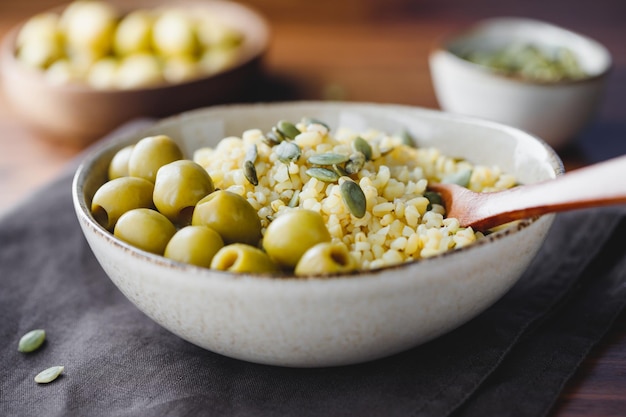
[[376, 50]]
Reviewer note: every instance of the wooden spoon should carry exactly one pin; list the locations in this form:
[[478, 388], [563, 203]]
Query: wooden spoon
[[596, 185]]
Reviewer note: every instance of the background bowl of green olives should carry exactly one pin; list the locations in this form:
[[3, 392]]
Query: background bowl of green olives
[[526, 73], [78, 71], [315, 320]]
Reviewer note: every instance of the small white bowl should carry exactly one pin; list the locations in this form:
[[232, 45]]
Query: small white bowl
[[555, 111], [339, 320]]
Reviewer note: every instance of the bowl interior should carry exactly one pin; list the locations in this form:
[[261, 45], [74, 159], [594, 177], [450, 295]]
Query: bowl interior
[[494, 34], [525, 156], [480, 141]]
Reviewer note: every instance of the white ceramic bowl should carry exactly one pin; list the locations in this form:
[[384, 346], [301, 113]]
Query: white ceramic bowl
[[554, 111], [79, 114], [325, 321]]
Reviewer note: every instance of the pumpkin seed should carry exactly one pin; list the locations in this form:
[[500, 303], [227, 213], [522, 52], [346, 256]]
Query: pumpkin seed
[[49, 374], [461, 178], [361, 145], [309, 121], [341, 171], [322, 174], [354, 198], [328, 158], [249, 171], [295, 199], [271, 139], [433, 198], [530, 62], [355, 163], [287, 129], [31, 341], [278, 134], [251, 153], [288, 152], [407, 139]]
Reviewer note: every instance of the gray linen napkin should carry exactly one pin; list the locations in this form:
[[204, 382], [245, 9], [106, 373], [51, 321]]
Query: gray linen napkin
[[511, 360]]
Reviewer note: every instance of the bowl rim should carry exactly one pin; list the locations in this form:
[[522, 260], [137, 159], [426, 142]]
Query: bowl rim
[[95, 153], [254, 50], [441, 46]]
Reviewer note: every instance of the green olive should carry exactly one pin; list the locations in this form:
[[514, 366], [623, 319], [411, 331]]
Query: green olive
[[101, 74], [88, 26], [118, 196], [133, 33], [40, 53], [178, 69], [239, 257], [145, 229], [173, 34], [230, 215], [44, 25], [138, 70], [150, 154], [119, 164], [196, 245], [291, 234], [326, 258], [179, 185]]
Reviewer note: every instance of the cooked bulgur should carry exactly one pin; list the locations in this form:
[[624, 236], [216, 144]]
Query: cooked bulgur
[[400, 222]]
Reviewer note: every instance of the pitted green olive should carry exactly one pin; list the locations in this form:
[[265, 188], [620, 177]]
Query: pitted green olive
[[119, 164], [179, 185], [291, 234], [326, 258], [230, 215], [196, 245], [150, 154], [145, 229], [118, 196], [239, 257]]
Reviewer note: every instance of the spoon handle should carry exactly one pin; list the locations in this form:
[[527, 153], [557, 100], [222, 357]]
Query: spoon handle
[[596, 185]]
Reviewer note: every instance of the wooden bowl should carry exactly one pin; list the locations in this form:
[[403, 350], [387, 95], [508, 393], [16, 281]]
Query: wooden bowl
[[79, 114]]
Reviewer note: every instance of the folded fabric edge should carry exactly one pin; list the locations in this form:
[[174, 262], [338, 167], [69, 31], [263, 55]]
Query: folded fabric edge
[[569, 332]]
